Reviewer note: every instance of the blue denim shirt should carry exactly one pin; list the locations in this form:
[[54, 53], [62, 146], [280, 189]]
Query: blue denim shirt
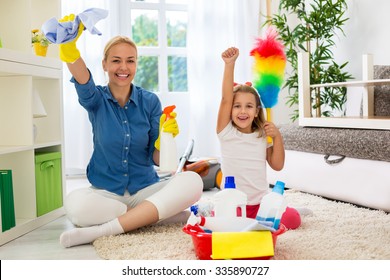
[[123, 137]]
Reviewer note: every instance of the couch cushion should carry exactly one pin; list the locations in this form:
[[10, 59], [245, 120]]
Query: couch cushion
[[354, 143]]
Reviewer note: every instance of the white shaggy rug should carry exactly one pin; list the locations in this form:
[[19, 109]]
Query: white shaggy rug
[[333, 231]]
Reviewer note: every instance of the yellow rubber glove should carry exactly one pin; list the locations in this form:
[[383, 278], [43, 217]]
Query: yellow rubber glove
[[68, 51], [168, 126]]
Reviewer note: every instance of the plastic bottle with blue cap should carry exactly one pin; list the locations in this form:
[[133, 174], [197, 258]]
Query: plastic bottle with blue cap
[[229, 199], [273, 205]]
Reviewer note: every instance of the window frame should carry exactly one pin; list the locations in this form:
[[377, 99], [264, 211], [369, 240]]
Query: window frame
[[162, 51]]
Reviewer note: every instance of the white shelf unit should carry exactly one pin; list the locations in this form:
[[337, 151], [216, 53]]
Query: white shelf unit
[[366, 121], [21, 74]]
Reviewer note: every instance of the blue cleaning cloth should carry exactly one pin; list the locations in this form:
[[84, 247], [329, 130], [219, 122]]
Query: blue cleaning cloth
[[63, 32]]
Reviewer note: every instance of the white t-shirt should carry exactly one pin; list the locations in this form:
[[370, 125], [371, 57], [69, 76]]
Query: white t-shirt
[[244, 157]]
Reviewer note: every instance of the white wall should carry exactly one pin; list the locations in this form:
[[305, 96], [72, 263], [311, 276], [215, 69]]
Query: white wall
[[365, 32]]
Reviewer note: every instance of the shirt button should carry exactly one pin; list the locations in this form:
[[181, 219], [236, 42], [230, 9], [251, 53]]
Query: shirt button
[[125, 161], [127, 135], [126, 148], [125, 107], [125, 174], [124, 121]]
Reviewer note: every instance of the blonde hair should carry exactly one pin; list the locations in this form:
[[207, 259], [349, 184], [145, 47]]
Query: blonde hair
[[258, 121], [115, 41]]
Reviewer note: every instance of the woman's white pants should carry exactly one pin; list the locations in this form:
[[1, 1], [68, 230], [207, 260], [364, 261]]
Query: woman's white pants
[[93, 206]]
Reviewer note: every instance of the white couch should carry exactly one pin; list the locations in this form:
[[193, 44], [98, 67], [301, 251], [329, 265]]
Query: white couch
[[362, 177]]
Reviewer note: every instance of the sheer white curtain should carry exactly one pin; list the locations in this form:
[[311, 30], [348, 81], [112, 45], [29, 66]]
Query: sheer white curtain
[[78, 133], [215, 25]]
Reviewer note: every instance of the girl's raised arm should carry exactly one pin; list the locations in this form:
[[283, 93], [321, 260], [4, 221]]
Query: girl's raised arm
[[229, 56]]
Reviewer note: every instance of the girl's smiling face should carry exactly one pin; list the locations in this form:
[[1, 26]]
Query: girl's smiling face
[[244, 111]]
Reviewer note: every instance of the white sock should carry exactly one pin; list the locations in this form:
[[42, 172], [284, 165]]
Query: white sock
[[78, 236]]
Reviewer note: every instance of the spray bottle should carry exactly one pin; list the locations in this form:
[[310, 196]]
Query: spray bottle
[[168, 153], [229, 199], [205, 209], [273, 205]]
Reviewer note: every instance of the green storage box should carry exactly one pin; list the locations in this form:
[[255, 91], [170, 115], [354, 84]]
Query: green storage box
[[48, 179], [6, 200]]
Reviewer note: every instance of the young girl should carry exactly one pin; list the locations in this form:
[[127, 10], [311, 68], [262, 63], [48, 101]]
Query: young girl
[[242, 131], [125, 191]]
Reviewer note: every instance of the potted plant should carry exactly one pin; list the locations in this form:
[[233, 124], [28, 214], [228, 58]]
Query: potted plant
[[309, 26], [39, 42]]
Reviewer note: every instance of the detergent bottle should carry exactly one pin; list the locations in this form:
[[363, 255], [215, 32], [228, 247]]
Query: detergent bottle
[[229, 200], [168, 153], [273, 205]]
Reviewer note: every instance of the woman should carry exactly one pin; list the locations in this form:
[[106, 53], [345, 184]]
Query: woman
[[126, 120]]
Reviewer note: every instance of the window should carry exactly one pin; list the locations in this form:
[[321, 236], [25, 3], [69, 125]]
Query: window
[[159, 28]]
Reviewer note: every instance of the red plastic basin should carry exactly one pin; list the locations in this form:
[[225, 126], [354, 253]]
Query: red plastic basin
[[202, 241]]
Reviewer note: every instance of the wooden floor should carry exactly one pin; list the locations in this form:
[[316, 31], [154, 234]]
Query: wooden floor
[[43, 243]]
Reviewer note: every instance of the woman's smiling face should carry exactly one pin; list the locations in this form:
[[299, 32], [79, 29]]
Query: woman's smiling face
[[244, 111], [121, 64]]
